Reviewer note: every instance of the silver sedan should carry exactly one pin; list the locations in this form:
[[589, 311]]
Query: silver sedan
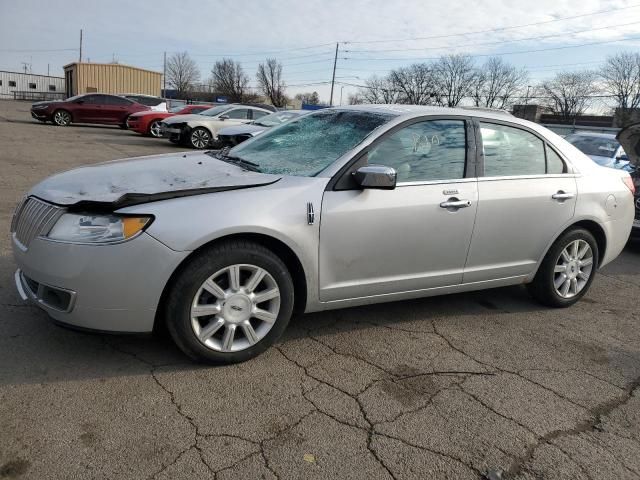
[[342, 207]]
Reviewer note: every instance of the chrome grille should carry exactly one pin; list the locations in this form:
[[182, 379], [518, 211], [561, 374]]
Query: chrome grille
[[32, 218]]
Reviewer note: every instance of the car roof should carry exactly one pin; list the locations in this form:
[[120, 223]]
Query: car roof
[[137, 95]]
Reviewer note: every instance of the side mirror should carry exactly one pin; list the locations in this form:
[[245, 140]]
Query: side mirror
[[376, 176], [223, 117], [622, 158]]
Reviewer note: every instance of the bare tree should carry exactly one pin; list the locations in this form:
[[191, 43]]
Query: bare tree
[[454, 77], [355, 99], [270, 82], [569, 93], [228, 78], [378, 90], [310, 98], [621, 78], [414, 84], [496, 83], [182, 73]]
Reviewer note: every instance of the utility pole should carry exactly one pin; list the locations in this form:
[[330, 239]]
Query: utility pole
[[80, 60], [526, 99], [333, 79], [47, 69], [164, 76]]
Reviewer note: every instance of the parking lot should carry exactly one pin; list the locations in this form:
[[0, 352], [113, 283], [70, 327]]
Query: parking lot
[[480, 385]]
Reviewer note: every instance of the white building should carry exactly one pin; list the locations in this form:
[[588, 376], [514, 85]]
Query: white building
[[26, 86]]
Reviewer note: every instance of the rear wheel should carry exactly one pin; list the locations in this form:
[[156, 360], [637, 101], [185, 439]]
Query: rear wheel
[[124, 126], [62, 118], [568, 269], [230, 303], [154, 129], [200, 138]]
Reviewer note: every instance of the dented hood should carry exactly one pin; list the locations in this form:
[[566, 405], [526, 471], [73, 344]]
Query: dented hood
[[629, 138], [121, 183]]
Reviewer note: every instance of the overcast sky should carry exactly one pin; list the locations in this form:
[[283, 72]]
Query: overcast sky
[[302, 34]]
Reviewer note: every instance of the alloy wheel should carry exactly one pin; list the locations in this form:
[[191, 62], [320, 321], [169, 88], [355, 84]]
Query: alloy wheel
[[235, 308], [155, 129], [573, 269], [62, 118], [200, 138]]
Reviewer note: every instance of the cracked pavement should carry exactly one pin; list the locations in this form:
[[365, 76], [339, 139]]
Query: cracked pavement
[[479, 385]]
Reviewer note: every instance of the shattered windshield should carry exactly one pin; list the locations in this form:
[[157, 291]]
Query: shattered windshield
[[308, 145]]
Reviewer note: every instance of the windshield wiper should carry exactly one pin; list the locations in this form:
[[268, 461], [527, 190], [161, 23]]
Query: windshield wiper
[[241, 162]]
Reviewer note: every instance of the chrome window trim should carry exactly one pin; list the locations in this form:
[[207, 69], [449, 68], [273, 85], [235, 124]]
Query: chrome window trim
[[529, 177], [437, 182]]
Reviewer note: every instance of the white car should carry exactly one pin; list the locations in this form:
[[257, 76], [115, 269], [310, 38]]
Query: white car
[[156, 104], [199, 131]]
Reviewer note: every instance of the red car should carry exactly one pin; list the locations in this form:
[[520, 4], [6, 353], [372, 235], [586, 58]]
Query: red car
[[148, 123], [89, 108]]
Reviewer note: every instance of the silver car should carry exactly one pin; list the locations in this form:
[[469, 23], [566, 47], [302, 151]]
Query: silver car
[[342, 207]]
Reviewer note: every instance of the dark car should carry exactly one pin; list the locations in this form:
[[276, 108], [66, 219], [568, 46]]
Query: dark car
[[90, 108]]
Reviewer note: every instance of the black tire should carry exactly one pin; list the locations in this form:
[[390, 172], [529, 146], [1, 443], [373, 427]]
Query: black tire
[[201, 267], [61, 118], [123, 125], [199, 138], [543, 288]]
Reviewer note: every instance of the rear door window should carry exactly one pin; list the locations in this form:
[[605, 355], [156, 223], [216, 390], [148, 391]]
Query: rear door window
[[238, 114], [120, 101], [555, 164]]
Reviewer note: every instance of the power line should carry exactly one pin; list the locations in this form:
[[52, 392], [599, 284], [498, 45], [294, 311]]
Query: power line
[[501, 29], [12, 50], [396, 90], [496, 54], [540, 37]]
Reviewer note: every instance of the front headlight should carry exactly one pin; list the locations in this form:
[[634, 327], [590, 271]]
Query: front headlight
[[97, 229]]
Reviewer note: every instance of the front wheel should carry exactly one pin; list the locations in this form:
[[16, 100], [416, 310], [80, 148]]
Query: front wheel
[[62, 118], [200, 138], [568, 269], [230, 303], [154, 129]]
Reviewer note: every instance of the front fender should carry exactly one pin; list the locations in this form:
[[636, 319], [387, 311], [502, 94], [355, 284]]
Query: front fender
[[278, 210]]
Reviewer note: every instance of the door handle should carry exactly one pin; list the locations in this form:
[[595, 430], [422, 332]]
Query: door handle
[[454, 203], [560, 195]]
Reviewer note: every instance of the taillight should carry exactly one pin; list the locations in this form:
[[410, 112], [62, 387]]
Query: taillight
[[629, 183]]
